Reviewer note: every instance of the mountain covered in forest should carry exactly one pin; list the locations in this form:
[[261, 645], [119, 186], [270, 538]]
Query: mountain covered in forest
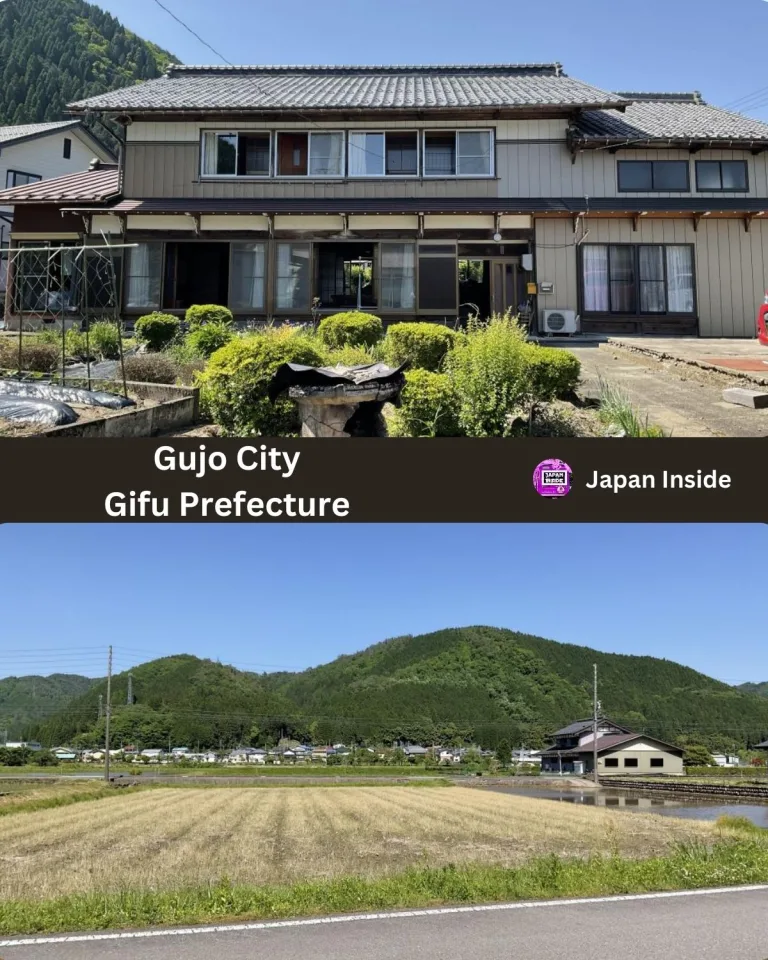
[[53, 52], [28, 700], [761, 689], [457, 685]]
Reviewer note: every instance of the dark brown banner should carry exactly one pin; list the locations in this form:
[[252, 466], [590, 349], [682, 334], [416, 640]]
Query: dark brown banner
[[263, 481]]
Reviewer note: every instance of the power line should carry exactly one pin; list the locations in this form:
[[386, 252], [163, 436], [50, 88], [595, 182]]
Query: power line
[[194, 33]]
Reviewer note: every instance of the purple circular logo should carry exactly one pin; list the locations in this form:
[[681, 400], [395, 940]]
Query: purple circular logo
[[552, 478]]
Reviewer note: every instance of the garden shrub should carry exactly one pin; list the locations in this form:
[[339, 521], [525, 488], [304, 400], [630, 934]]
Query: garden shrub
[[36, 356], [423, 345], [234, 384], [489, 371], [201, 314], [149, 368], [349, 357], [75, 344], [104, 338], [429, 407], [552, 372], [157, 330], [351, 329], [204, 341]]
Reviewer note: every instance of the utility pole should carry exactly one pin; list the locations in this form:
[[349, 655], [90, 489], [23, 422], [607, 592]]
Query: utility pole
[[129, 699], [101, 706], [108, 713], [594, 728]]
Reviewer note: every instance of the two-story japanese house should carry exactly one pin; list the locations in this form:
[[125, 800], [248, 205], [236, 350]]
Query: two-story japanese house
[[450, 188]]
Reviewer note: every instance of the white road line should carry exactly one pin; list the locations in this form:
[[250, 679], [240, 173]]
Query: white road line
[[362, 917]]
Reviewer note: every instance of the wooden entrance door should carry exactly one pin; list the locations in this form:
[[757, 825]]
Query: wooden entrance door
[[504, 285]]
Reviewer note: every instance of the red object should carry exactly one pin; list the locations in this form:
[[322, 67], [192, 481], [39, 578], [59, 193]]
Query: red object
[[762, 322]]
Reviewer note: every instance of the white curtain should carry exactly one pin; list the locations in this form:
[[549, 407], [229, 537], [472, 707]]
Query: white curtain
[[398, 276], [326, 154], [143, 277], [292, 276], [680, 279], [595, 269], [248, 263], [474, 153], [209, 154], [651, 266]]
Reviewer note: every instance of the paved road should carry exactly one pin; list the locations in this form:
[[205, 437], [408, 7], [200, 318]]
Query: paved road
[[680, 401], [731, 925]]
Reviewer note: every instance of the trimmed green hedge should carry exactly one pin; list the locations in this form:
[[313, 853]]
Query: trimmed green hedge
[[205, 340], [202, 313], [553, 372], [235, 382], [157, 330], [423, 345], [351, 329]]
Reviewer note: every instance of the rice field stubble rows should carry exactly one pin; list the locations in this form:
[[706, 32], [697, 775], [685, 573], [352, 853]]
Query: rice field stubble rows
[[166, 839]]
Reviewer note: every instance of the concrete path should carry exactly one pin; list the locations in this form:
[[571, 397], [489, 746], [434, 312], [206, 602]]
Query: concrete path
[[715, 925], [685, 401]]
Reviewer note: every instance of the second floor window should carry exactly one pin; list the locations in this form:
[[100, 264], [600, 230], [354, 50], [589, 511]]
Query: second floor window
[[15, 178], [721, 175], [236, 154], [664, 176], [458, 153], [383, 154], [313, 154]]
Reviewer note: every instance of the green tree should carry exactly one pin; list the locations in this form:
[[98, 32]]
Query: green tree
[[697, 755], [504, 753]]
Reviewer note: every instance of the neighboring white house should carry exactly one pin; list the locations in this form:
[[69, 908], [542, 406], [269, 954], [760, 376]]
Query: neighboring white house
[[40, 151], [724, 760]]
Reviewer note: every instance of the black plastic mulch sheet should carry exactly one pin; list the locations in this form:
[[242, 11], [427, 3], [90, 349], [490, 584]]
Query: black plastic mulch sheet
[[296, 375], [51, 391], [47, 413]]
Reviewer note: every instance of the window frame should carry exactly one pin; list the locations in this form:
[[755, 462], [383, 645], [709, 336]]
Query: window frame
[[491, 131], [35, 178], [721, 188], [612, 762], [67, 149], [384, 175], [264, 279], [653, 188], [657, 762], [631, 763], [308, 175], [638, 313], [236, 133]]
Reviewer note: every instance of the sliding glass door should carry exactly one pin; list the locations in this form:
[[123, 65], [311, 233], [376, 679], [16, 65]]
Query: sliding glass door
[[637, 279]]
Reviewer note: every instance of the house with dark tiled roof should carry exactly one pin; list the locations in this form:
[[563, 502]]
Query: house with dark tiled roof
[[33, 152], [486, 187], [620, 752]]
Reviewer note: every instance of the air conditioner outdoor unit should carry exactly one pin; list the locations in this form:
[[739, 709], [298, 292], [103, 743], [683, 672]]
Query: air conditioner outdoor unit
[[559, 321]]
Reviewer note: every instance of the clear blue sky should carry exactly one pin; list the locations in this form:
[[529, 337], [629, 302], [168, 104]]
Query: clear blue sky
[[674, 45], [295, 596]]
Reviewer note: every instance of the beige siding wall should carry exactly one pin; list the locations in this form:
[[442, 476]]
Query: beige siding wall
[[731, 265], [546, 170], [673, 765]]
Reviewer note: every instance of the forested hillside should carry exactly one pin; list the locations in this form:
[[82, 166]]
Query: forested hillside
[[470, 684], [761, 689], [53, 52], [27, 700]]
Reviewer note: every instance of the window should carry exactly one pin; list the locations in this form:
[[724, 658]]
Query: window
[[144, 276], [398, 276], [15, 178], [723, 175], [292, 276], [67, 148], [611, 761], [637, 279], [657, 761], [461, 153], [103, 276], [383, 154], [248, 273], [310, 154], [438, 278], [236, 154], [630, 761], [669, 176], [49, 283]]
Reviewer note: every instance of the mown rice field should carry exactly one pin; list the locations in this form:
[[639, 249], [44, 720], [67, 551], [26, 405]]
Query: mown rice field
[[166, 839]]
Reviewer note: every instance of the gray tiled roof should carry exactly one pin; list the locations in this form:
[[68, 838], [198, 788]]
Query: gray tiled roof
[[25, 130], [233, 89], [678, 117]]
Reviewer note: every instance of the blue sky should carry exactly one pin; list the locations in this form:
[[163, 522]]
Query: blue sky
[[669, 45], [264, 597]]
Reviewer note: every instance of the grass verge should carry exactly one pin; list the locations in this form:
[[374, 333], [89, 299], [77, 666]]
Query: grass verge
[[740, 858], [616, 411], [62, 799]]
